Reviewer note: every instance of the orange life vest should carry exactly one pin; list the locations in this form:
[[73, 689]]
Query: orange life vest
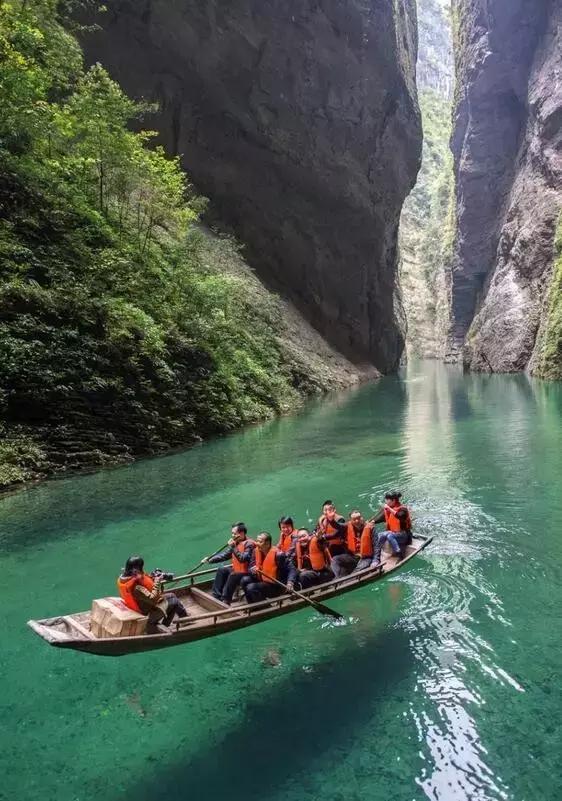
[[316, 554], [330, 528], [267, 564], [360, 544], [241, 567], [392, 522], [127, 587], [286, 541]]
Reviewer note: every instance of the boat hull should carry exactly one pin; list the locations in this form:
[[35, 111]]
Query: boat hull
[[72, 632]]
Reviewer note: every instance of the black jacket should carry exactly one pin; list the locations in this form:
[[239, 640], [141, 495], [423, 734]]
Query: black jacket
[[341, 533], [244, 556]]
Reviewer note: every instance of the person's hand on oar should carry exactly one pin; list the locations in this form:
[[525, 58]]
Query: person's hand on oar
[[203, 561], [230, 544], [322, 608]]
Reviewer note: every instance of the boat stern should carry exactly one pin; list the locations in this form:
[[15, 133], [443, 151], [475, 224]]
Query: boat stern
[[55, 630]]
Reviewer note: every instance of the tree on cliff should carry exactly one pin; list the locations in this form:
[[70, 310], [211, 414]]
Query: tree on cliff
[[118, 334]]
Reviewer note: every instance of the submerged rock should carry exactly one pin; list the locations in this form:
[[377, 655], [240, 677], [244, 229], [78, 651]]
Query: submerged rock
[[271, 658]]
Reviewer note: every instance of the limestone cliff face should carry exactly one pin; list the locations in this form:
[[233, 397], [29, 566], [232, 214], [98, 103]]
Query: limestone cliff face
[[299, 120], [507, 145]]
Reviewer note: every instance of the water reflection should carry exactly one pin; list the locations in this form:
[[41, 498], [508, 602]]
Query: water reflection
[[454, 657]]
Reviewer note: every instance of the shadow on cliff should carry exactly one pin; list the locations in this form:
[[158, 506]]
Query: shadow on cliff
[[289, 727]]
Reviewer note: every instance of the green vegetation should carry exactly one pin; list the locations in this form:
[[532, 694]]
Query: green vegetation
[[119, 332], [459, 26], [20, 457], [436, 187], [427, 230], [550, 353], [430, 197]]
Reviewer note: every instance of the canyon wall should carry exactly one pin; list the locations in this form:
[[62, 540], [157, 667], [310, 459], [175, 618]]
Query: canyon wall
[[300, 122], [506, 302]]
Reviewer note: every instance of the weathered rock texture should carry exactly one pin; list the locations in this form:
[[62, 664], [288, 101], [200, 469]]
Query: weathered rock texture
[[299, 121], [507, 144], [425, 226]]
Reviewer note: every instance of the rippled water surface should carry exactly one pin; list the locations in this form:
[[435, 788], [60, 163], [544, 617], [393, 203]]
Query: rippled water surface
[[443, 684]]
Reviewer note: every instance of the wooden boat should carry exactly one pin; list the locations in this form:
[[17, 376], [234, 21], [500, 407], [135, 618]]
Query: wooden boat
[[209, 617]]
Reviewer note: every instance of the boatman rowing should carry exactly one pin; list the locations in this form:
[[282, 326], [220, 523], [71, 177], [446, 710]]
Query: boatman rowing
[[240, 551]]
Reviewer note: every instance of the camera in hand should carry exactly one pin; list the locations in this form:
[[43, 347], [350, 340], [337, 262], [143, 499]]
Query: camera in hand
[[160, 575]]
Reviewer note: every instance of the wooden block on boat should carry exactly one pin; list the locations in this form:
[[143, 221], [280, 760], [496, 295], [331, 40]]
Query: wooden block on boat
[[110, 617]]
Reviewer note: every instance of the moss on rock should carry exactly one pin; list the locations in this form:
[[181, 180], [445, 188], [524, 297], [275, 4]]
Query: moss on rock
[[550, 354]]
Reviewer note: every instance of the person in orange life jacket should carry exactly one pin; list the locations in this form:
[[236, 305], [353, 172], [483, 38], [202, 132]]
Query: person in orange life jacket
[[240, 551], [328, 506], [144, 593], [287, 534], [388, 510], [361, 539], [268, 562], [398, 525], [332, 530], [311, 559]]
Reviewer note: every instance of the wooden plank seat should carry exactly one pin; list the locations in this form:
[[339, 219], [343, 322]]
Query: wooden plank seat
[[206, 600]]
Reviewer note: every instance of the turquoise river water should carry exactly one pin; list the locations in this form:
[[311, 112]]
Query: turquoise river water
[[444, 683]]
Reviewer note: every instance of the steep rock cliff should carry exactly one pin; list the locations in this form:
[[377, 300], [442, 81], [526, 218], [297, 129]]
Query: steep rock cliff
[[507, 144], [300, 123]]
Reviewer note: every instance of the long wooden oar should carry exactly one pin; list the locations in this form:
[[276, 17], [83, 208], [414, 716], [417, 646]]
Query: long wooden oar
[[324, 610], [202, 562]]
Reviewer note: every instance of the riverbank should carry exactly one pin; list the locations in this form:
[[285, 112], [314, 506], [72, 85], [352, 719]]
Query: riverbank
[[93, 441]]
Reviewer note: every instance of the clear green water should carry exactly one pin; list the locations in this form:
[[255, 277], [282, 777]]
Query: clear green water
[[445, 682]]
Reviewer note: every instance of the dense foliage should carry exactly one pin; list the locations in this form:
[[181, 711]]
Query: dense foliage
[[550, 347], [436, 185], [119, 334], [427, 231]]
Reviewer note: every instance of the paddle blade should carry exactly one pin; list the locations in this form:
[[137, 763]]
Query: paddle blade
[[325, 610]]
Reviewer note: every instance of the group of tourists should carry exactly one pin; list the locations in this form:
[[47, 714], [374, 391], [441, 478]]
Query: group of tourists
[[260, 569]]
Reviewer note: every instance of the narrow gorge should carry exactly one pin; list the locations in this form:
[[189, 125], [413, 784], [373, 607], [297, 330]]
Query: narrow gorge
[[426, 228], [255, 255], [209, 213], [481, 272]]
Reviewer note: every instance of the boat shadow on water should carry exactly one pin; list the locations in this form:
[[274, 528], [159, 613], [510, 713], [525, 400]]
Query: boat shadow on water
[[291, 727]]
